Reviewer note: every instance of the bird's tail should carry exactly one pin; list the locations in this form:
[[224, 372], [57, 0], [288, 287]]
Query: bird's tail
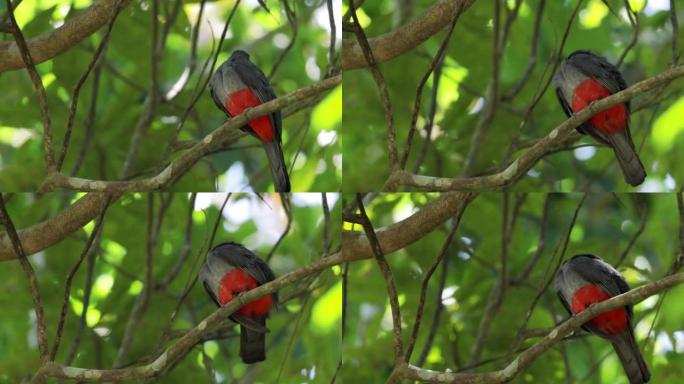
[[632, 361], [631, 166], [253, 343], [276, 160]]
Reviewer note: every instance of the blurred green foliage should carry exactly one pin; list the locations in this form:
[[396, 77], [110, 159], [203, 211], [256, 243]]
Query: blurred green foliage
[[605, 225], [467, 72], [305, 330], [126, 79]]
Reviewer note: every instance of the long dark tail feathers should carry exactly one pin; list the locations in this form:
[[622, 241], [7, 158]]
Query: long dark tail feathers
[[253, 344], [276, 160], [632, 361], [626, 155]]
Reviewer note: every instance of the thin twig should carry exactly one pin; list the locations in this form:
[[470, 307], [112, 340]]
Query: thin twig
[[81, 81], [182, 81], [41, 329], [288, 212], [37, 84], [345, 282], [436, 61], [386, 273], [532, 62], [634, 21], [292, 19], [67, 285], [490, 102], [675, 32], [429, 124], [382, 88], [187, 246], [424, 285], [639, 231], [92, 110], [333, 32], [327, 227], [541, 243], [150, 103], [436, 316], [142, 301], [87, 290], [496, 295], [679, 260]]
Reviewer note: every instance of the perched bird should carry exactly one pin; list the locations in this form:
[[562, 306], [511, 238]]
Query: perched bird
[[584, 77], [586, 279], [229, 270], [238, 84]]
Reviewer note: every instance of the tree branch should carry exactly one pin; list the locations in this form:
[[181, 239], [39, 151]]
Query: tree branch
[[77, 88], [424, 285], [57, 41], [404, 38], [18, 249], [55, 229], [386, 274], [392, 150], [355, 245], [29, 63]]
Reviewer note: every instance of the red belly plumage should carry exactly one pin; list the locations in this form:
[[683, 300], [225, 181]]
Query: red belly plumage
[[240, 100], [611, 120], [612, 322], [238, 281]]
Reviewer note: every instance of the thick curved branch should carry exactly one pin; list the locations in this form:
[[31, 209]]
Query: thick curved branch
[[57, 41], [55, 229], [557, 334], [544, 146], [392, 150], [404, 38], [226, 133], [355, 245]]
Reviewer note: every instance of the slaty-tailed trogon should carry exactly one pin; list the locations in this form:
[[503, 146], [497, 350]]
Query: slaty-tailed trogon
[[584, 77], [238, 84], [229, 270], [586, 279]]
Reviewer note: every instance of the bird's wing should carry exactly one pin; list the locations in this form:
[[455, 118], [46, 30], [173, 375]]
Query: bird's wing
[[211, 293], [596, 271], [255, 79], [240, 257], [601, 70]]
